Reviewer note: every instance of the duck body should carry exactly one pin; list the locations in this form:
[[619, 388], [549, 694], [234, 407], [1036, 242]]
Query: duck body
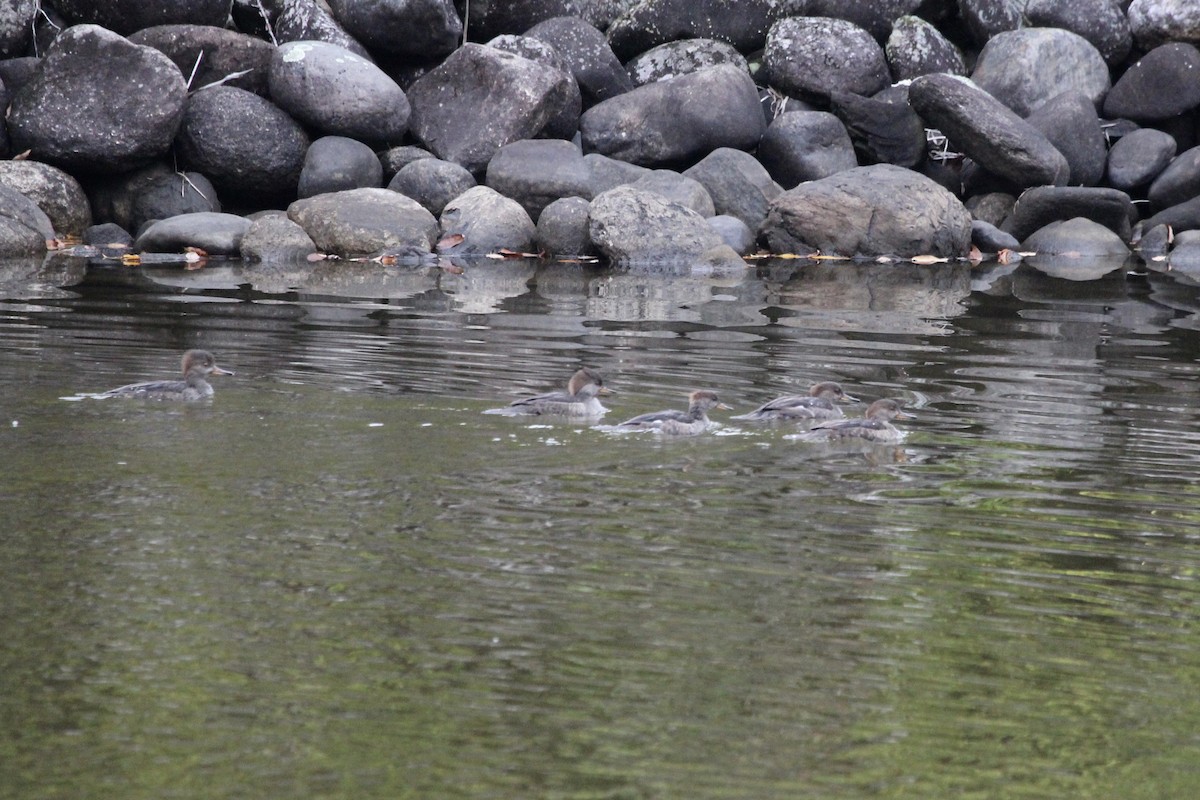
[[679, 423], [581, 399], [820, 403], [875, 426], [197, 366]]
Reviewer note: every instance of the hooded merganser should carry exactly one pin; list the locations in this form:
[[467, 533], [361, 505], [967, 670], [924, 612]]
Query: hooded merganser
[[819, 403], [197, 365], [874, 426], [694, 420], [579, 400]]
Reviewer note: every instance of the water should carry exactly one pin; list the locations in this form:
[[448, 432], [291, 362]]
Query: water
[[341, 580]]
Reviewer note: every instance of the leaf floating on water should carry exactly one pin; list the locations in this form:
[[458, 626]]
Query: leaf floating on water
[[313, 257], [885, 259], [447, 242], [929, 259], [504, 252], [131, 259]]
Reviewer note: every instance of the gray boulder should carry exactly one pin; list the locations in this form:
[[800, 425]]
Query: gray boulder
[[565, 122], [562, 228], [1042, 205], [1069, 121], [395, 159], [1027, 67], [609, 173], [990, 239], [630, 226], [869, 211], [884, 129], [16, 24], [360, 221], [1077, 237], [480, 99], [915, 47], [337, 92], [677, 120], [422, 29], [336, 163], [153, 192], [215, 54], [98, 103], [536, 172], [1139, 157], [649, 23], [595, 67], [804, 146], [56, 193], [271, 236], [677, 188], [734, 233], [488, 20], [738, 184], [673, 59], [987, 18], [247, 146], [987, 131], [125, 17], [1161, 85], [1101, 22], [812, 57], [24, 228], [488, 222], [1179, 182], [310, 20], [214, 233], [1155, 22], [432, 182]]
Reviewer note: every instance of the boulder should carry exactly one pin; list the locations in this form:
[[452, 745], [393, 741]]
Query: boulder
[[738, 184], [985, 19], [16, 26], [630, 226], [1180, 180], [536, 172], [1042, 205], [207, 54], [673, 59], [395, 159], [565, 122], [1183, 216], [592, 62], [153, 192], [869, 211], [812, 57], [214, 233], [1025, 68], [125, 17], [56, 193], [489, 20], [98, 103], [883, 129], [432, 182], [488, 222], [1077, 237], [649, 23], [609, 173], [1137, 158], [1101, 22], [418, 29], [24, 228], [562, 228], [1155, 22], [1069, 121], [734, 233], [360, 221], [271, 236], [804, 146], [677, 188], [1162, 84], [335, 163], [990, 239], [310, 21], [915, 47]]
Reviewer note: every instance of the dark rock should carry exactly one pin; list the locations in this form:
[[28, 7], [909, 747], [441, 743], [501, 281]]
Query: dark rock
[[917, 48], [812, 57], [420, 29], [738, 184], [677, 120], [877, 210], [98, 103], [24, 228], [1156, 241], [274, 237], [488, 222], [1180, 181], [360, 221], [673, 59], [874, 16], [336, 163], [677, 188], [108, 235], [154, 192], [480, 99], [1025, 68], [743, 24], [56, 193], [310, 21], [595, 67], [1162, 84], [562, 228], [1076, 237], [336, 92], [432, 182], [609, 173], [565, 123], [1185, 253], [1183, 216], [991, 207], [1101, 22], [1069, 121], [1137, 158], [734, 233], [16, 24], [990, 239], [395, 159], [214, 233], [983, 128], [1155, 22], [16, 72], [883, 129], [248, 147], [631, 226], [125, 17], [1042, 205], [536, 172], [214, 54], [805, 146], [488, 20], [987, 18]]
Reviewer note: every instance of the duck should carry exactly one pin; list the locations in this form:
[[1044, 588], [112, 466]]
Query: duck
[[579, 400], [819, 403], [197, 367], [679, 423], [874, 426]]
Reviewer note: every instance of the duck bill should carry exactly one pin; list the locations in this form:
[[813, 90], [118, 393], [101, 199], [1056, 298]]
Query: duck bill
[[218, 371], [723, 407], [606, 390], [849, 398], [905, 415]]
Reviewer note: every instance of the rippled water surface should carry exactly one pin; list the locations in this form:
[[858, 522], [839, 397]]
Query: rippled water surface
[[339, 579]]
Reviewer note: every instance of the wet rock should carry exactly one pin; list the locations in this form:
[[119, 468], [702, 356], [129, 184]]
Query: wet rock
[[1183, 216], [536, 172], [421, 29], [804, 146], [16, 72], [1069, 121], [812, 57], [1101, 22], [56, 193], [608, 173], [1180, 181], [677, 120], [915, 47], [877, 210], [1137, 158], [1154, 22], [488, 222], [596, 69], [987, 131], [630, 226], [562, 228], [734, 233], [24, 228], [432, 182], [360, 221], [1076, 237], [335, 92], [677, 188], [248, 147], [738, 184], [653, 22], [98, 103], [126, 16], [153, 192], [1027, 67], [214, 233], [395, 159], [990, 239], [673, 59], [480, 99], [1042, 205], [565, 122], [215, 55], [883, 129], [108, 235], [1156, 241], [1161, 85], [310, 20], [16, 22], [335, 163], [273, 237]]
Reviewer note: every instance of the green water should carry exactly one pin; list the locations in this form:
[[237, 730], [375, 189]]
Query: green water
[[340, 580]]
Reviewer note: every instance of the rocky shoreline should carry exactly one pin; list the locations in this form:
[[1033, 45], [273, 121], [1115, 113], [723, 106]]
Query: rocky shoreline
[[659, 131]]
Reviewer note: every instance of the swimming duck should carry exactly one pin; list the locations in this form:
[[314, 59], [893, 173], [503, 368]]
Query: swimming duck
[[197, 366], [579, 400], [875, 426], [694, 420], [819, 403]]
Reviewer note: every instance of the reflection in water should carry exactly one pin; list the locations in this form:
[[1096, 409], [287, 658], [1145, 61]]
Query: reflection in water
[[340, 579]]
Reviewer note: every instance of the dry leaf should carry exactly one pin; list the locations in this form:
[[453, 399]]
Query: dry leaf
[[453, 240], [316, 257], [929, 259]]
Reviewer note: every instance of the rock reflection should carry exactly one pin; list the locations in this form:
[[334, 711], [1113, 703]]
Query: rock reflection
[[40, 278]]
